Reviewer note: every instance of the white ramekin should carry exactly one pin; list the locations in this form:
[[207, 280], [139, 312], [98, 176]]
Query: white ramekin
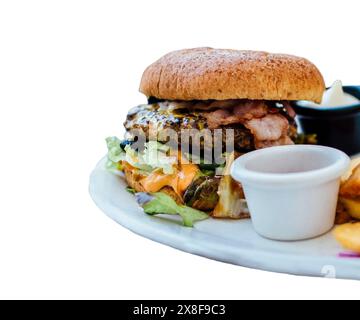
[[291, 191]]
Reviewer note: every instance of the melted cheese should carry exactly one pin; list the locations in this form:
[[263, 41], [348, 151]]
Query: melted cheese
[[179, 180], [186, 176]]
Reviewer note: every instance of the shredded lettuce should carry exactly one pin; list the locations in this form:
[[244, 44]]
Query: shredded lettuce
[[205, 166], [114, 167], [136, 159], [154, 156], [115, 153], [159, 202]]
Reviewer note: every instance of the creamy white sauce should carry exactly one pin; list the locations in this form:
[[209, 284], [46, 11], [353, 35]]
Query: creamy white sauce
[[333, 97]]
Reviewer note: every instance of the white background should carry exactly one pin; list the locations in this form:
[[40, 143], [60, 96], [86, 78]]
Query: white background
[[69, 70]]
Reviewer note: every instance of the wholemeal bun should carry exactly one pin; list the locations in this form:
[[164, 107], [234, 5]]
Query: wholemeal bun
[[219, 74]]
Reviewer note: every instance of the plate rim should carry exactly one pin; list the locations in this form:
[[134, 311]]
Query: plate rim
[[238, 255]]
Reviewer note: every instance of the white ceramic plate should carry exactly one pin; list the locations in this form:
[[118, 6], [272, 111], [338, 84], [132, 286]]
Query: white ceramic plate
[[232, 241]]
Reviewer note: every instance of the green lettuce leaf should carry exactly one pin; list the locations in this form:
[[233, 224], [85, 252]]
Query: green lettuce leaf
[[159, 202], [115, 153]]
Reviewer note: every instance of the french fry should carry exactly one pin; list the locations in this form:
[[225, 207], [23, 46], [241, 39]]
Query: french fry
[[352, 207], [351, 187], [349, 236], [349, 195], [342, 213], [354, 163]]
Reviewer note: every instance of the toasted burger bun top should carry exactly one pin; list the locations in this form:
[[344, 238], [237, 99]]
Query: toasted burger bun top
[[219, 74]]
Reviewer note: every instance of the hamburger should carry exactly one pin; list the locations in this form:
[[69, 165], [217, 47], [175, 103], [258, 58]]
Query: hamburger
[[243, 96]]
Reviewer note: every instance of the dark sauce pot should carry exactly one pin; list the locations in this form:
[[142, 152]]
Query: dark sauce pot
[[337, 127]]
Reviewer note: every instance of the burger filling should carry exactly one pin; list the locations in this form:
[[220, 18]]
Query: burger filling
[[256, 123], [164, 183]]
